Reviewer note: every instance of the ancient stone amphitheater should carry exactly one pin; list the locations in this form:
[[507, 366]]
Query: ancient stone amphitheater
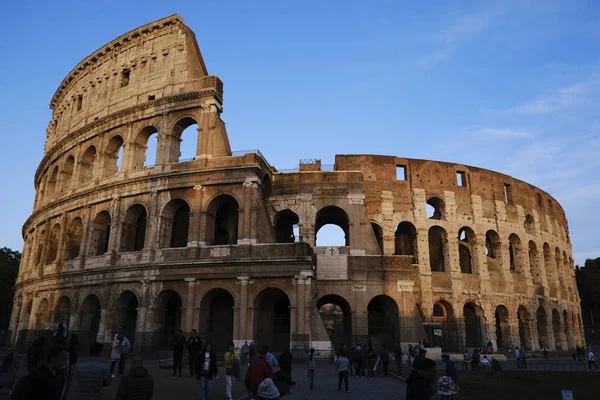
[[225, 244]]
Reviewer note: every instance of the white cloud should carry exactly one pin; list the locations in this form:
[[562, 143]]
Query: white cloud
[[564, 98], [498, 133]]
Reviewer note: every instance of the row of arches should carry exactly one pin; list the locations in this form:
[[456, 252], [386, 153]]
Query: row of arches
[[118, 155]]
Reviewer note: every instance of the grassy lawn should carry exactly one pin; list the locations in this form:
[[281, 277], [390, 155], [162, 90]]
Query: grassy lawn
[[515, 385]]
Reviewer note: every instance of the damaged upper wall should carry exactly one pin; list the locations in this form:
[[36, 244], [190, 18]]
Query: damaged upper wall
[[156, 60]]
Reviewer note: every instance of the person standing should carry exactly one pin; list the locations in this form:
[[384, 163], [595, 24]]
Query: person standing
[[43, 383], [312, 366], [475, 358], [357, 359], [385, 359], [342, 366], [138, 384], [73, 354], [194, 345], [398, 358], [244, 353], [258, 371], [418, 384], [591, 361], [206, 370], [92, 375], [449, 368], [178, 344], [59, 331], [115, 353], [285, 363], [518, 356], [231, 357], [371, 358], [251, 352], [523, 356]]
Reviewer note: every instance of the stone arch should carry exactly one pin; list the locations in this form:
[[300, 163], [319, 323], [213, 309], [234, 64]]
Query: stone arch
[[493, 251], [405, 239], [113, 155], [551, 272], [40, 237], [217, 318], [125, 316], [336, 314], [87, 165], [67, 173], [383, 321], [535, 267], [529, 224], [174, 224], [272, 319], [178, 138], [473, 316], [222, 220], [133, 228], [556, 327], [100, 234], [141, 146], [568, 331], [167, 315], [503, 336], [466, 245], [52, 183], [333, 215], [442, 310], [267, 186], [53, 240], [438, 242], [42, 320], [542, 326], [63, 309], [435, 208], [515, 252], [89, 320], [74, 234], [286, 222], [378, 234]]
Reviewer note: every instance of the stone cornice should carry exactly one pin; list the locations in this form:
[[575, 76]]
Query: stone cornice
[[106, 51], [51, 153]]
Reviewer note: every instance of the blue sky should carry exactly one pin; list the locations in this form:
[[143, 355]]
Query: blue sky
[[512, 86]]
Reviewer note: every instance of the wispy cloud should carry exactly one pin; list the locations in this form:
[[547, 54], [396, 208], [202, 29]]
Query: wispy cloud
[[449, 39], [500, 133], [564, 98]]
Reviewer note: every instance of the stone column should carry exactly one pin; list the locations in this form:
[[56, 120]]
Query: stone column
[[300, 303], [102, 327], [191, 299], [196, 216], [60, 251], [114, 240], [85, 234], [356, 228], [550, 339], [44, 241], [14, 318], [307, 301], [74, 315], [245, 235], [243, 310]]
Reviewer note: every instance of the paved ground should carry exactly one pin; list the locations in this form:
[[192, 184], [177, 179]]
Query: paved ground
[[169, 387]]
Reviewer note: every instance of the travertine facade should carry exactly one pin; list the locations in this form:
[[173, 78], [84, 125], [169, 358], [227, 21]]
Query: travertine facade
[[209, 243]]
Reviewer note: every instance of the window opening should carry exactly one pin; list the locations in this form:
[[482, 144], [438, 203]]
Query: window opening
[[461, 178], [507, 193], [400, 172], [79, 102], [125, 77], [539, 200]]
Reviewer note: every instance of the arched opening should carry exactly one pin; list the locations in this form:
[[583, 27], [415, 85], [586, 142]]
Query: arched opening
[[167, 315], [378, 234], [473, 315], [74, 238], [133, 229], [286, 222], [336, 315], [63, 308], [542, 327], [524, 331], [89, 321], [332, 236], [534, 266], [40, 237], [562, 278], [550, 271], [53, 240], [67, 173], [435, 209], [466, 238], [126, 315], [42, 320], [175, 224], [145, 148], [187, 132], [442, 330], [216, 318], [222, 220], [515, 253], [405, 239], [503, 339], [51, 183], [87, 165], [493, 251], [113, 156], [272, 319], [568, 333], [557, 330], [529, 224], [99, 234], [266, 186], [437, 248], [383, 321]]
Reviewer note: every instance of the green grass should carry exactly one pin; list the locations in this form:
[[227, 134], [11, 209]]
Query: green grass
[[515, 385]]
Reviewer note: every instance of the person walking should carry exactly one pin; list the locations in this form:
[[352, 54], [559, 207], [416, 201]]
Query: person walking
[[545, 352], [312, 366], [466, 360], [591, 361], [258, 371], [92, 375], [449, 368], [231, 357], [206, 370], [193, 345], [385, 359], [285, 364], [523, 356], [357, 359], [115, 353], [244, 353], [342, 367], [518, 356], [475, 358], [8, 369], [178, 344], [43, 383], [371, 359], [398, 358], [138, 384], [73, 354], [59, 331]]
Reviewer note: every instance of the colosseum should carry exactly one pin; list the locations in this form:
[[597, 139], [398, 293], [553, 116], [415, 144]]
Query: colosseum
[[226, 244]]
